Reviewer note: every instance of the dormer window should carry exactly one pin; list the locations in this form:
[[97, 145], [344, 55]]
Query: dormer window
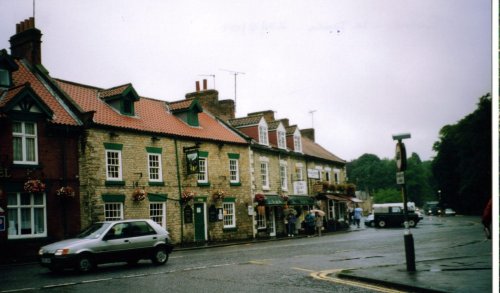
[[281, 133], [187, 111], [4, 78], [297, 142], [7, 66], [263, 132], [121, 98]]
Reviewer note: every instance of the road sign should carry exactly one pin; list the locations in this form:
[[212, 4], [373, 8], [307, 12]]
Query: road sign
[[400, 177]]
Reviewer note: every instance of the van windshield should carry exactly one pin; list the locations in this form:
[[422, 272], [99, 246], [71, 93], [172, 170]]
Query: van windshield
[[94, 231]]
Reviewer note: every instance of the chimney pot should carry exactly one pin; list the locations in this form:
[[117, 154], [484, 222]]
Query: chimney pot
[[197, 86], [204, 84]]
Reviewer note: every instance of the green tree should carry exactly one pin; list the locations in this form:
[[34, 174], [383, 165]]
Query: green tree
[[462, 167]]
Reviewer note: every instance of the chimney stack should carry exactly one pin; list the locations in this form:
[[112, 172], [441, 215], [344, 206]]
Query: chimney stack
[[309, 133], [204, 84], [197, 86], [26, 43]]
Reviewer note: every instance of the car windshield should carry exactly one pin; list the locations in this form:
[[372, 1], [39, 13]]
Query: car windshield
[[94, 231]]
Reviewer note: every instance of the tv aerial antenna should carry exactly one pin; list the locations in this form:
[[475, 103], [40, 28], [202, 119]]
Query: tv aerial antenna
[[212, 75], [235, 73], [312, 117]]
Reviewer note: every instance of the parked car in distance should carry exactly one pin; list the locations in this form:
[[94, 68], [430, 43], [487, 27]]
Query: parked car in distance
[[106, 242], [392, 214], [449, 212]]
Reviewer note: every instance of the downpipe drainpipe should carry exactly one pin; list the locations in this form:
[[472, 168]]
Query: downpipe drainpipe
[[179, 188]]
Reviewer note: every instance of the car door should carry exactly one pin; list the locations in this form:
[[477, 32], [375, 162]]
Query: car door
[[116, 243], [143, 238]]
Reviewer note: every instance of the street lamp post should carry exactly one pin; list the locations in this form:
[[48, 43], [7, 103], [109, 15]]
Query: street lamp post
[[401, 164]]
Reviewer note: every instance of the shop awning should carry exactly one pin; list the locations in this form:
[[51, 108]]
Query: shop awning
[[298, 200], [354, 199], [274, 200], [336, 197]]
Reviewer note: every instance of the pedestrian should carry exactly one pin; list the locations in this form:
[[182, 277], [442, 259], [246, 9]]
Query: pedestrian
[[309, 224], [486, 219], [292, 219], [358, 212], [319, 223], [350, 212]]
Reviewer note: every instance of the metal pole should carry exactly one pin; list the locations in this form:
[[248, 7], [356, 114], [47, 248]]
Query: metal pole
[[408, 237]]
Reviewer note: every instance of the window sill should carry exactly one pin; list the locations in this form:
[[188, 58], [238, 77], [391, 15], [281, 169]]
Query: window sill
[[114, 183], [154, 183], [203, 184], [234, 183]]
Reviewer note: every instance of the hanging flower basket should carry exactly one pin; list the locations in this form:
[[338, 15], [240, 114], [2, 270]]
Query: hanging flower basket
[[187, 196], [260, 199], [261, 209], [139, 194], [284, 197], [65, 191], [219, 194], [34, 186]]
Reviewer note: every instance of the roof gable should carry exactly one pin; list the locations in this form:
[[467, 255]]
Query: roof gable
[[24, 100]]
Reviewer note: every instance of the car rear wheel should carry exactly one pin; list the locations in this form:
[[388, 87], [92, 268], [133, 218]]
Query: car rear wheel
[[160, 256], [382, 223], [84, 263]]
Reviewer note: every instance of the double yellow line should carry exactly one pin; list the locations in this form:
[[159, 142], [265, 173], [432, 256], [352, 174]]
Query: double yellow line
[[328, 276]]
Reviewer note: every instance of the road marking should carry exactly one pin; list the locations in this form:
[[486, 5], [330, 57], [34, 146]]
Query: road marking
[[18, 290], [325, 276], [301, 269]]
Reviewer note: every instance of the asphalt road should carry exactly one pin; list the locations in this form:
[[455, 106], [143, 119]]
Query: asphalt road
[[291, 265]]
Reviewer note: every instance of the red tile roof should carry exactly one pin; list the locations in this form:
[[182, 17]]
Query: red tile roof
[[24, 75], [245, 121], [113, 91], [150, 116]]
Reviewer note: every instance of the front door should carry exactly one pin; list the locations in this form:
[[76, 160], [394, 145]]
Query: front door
[[199, 222], [272, 222]]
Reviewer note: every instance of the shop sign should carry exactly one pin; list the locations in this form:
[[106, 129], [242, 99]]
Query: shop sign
[[300, 188], [313, 174]]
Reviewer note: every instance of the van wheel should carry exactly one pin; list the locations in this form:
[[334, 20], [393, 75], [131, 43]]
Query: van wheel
[[382, 223], [412, 223], [84, 263]]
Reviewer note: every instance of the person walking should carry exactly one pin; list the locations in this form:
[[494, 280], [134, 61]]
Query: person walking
[[319, 223], [291, 224], [358, 212], [309, 224]]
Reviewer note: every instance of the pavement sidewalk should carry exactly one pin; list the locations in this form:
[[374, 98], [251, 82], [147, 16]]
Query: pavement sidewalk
[[452, 274], [472, 274]]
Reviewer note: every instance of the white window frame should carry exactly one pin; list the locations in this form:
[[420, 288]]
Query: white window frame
[[158, 213], [300, 173], [234, 171], [24, 146], [297, 142], [157, 168], [229, 215], [281, 136], [113, 207], [32, 206], [119, 158], [284, 175], [264, 175], [263, 132], [336, 176], [202, 170], [261, 221]]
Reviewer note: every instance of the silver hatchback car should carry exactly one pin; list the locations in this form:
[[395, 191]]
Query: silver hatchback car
[[105, 242]]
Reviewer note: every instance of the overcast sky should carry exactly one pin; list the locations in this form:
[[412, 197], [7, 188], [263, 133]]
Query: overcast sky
[[369, 69]]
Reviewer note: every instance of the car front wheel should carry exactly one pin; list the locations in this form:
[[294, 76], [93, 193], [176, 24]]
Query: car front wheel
[[84, 263], [160, 256]]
